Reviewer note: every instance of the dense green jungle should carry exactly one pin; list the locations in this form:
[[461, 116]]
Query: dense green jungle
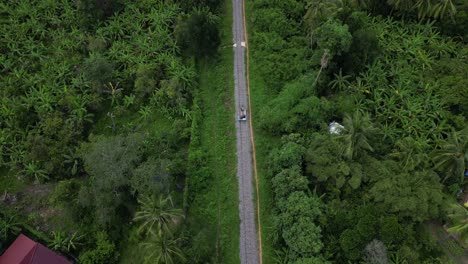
[[116, 129], [388, 185]]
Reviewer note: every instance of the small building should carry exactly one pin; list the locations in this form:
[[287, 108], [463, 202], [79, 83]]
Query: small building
[[27, 251]]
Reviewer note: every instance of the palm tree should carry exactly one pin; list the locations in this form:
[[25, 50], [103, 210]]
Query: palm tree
[[358, 128], [323, 65], [157, 215], [397, 259], [425, 8], [459, 219], [319, 11], [403, 5], [452, 156], [163, 249], [410, 152], [340, 83]]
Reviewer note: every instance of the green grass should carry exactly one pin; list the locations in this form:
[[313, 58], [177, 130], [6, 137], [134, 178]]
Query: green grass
[[219, 204], [10, 183], [263, 144]]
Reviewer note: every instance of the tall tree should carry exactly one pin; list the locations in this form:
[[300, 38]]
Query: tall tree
[[459, 219], [110, 162], [411, 153], [452, 157], [197, 33], [358, 129], [426, 8], [376, 252], [163, 249], [157, 215], [300, 233], [416, 195]]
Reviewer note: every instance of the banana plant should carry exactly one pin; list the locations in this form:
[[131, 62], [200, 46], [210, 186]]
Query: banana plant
[[33, 169], [79, 113], [145, 112], [72, 161], [114, 91], [64, 242], [129, 100]]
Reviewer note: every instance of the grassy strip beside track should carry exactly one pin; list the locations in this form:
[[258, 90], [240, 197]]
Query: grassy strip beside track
[[218, 204], [259, 96]]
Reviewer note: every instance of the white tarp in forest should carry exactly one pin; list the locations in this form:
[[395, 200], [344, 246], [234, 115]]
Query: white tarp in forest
[[335, 128]]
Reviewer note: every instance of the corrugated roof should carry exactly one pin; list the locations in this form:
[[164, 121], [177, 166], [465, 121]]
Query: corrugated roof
[[26, 251]]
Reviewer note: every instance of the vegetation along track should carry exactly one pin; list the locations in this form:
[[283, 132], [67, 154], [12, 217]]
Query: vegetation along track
[[250, 239]]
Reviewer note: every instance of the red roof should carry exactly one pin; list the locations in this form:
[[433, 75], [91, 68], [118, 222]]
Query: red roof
[[27, 251]]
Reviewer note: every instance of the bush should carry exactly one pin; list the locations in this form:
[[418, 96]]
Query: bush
[[197, 33], [98, 71], [295, 109], [333, 36], [299, 231], [104, 251]]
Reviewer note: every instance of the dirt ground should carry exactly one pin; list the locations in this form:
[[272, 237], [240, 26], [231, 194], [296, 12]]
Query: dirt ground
[[33, 202]]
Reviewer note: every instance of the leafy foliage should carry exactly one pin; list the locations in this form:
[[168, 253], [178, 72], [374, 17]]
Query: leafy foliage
[[298, 211], [333, 36], [298, 233], [104, 251], [110, 162], [293, 106], [376, 253], [9, 225], [397, 87], [163, 249], [157, 215], [197, 32], [98, 97], [357, 131], [64, 242], [426, 8], [458, 215], [452, 157]]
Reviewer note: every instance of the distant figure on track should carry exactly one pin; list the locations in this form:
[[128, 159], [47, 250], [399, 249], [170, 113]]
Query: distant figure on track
[[243, 114]]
